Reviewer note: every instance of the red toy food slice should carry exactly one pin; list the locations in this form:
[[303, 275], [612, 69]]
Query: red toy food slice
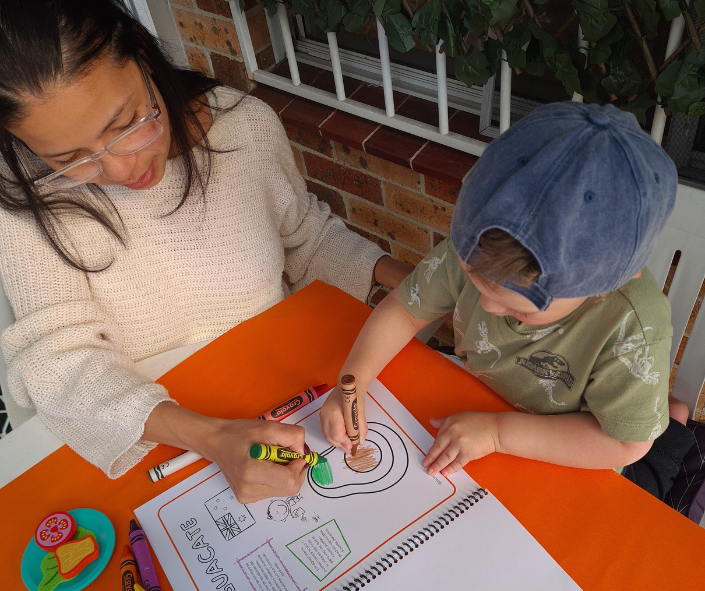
[[54, 530], [72, 557]]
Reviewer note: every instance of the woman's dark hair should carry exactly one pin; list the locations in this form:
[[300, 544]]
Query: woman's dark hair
[[43, 42]]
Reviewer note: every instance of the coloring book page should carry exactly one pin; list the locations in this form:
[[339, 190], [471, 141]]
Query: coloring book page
[[327, 536]]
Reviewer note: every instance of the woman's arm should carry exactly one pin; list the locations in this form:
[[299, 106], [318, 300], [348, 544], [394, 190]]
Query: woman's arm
[[227, 443], [571, 439], [317, 244]]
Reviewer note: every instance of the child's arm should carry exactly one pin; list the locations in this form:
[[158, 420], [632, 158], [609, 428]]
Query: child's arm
[[389, 328], [572, 439]]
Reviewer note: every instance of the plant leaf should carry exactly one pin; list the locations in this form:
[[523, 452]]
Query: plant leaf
[[696, 110], [515, 44], [669, 9], [473, 20], [667, 79], [639, 106], [335, 11], [602, 50], [398, 29], [426, 20], [589, 84], [595, 18], [699, 7], [449, 31], [501, 11], [385, 8], [688, 86], [648, 16], [472, 68], [271, 6], [535, 60], [549, 46], [301, 7], [624, 80], [491, 52], [355, 19], [567, 73]]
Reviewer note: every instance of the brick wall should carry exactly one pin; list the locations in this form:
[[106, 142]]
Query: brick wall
[[211, 43]]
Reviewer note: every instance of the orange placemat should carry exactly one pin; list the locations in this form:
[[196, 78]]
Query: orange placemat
[[603, 531]]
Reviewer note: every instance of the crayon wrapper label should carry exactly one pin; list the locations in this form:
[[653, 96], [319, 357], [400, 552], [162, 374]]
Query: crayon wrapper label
[[286, 455], [128, 581], [287, 408], [356, 424]]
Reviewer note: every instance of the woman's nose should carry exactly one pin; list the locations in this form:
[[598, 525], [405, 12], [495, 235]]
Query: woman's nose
[[119, 169]]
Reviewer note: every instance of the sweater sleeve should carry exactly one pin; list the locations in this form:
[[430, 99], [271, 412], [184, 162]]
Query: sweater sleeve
[[317, 245], [64, 354]]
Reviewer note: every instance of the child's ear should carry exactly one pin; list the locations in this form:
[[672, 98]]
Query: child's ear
[[637, 275]]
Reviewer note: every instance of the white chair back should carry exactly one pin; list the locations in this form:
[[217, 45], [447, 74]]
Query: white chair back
[[684, 232], [7, 317]]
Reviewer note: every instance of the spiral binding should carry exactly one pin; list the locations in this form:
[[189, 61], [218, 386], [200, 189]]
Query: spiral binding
[[406, 547]]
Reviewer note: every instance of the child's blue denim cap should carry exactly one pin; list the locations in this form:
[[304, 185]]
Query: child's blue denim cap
[[582, 187]]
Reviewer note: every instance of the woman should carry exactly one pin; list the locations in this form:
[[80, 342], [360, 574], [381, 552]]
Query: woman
[[144, 208]]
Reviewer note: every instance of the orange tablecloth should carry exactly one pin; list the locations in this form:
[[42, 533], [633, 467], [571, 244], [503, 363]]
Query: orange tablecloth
[[605, 532]]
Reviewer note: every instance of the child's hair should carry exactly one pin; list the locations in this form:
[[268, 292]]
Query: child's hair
[[44, 42], [500, 257]]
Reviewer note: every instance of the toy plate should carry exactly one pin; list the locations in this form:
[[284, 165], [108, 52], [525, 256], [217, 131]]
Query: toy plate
[[104, 532]]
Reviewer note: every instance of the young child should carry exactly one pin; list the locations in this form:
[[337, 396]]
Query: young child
[[552, 305]]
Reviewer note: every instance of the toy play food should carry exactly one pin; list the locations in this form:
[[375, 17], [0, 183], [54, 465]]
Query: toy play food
[[72, 557], [54, 530]]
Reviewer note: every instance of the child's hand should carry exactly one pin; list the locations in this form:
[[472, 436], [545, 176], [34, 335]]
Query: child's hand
[[333, 422], [462, 437]]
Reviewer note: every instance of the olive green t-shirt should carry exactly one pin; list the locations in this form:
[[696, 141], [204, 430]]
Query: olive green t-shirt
[[609, 357]]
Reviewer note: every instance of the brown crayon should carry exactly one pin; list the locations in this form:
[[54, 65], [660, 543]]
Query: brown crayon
[[352, 425], [129, 572]]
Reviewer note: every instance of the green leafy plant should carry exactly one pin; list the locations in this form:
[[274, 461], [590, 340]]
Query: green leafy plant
[[617, 65]]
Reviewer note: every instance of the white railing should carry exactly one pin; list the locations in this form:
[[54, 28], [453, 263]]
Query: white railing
[[480, 101]]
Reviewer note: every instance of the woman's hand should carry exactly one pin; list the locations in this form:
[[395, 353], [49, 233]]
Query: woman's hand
[[253, 480], [333, 421], [227, 443], [462, 437]]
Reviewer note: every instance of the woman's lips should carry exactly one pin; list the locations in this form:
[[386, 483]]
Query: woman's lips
[[144, 180]]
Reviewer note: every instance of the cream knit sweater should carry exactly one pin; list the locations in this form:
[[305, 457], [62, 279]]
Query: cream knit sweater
[[180, 279]]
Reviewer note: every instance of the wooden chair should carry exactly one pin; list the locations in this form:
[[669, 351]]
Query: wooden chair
[[684, 233]]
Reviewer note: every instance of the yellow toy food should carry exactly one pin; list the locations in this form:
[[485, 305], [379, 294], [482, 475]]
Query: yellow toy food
[[74, 556]]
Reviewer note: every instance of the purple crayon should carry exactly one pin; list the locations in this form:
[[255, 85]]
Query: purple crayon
[[144, 559]]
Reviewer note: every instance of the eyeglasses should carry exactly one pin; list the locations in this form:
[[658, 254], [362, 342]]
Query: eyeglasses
[[135, 139]]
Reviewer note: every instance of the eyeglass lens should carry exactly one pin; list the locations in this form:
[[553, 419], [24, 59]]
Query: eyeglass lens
[[136, 140]]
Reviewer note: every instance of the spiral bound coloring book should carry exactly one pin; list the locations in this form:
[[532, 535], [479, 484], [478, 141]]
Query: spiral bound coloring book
[[382, 524]]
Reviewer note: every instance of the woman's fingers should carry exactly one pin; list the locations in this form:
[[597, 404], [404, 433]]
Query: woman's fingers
[[262, 479], [284, 435]]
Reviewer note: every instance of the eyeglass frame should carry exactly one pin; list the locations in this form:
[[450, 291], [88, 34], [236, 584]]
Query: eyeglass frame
[[153, 116]]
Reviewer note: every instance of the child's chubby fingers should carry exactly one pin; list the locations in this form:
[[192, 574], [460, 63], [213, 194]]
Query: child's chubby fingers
[[440, 456], [462, 437], [332, 421]]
